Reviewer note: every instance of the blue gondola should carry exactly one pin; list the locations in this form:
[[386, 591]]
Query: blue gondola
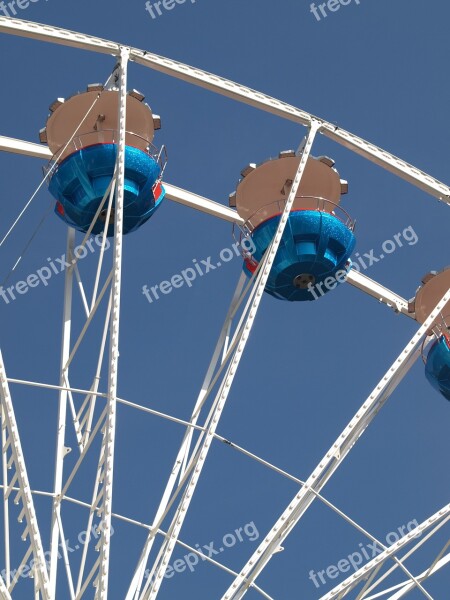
[[81, 180], [437, 368], [315, 246]]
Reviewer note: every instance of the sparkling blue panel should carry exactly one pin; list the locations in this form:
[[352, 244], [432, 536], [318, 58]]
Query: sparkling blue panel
[[437, 369], [81, 180], [313, 242]]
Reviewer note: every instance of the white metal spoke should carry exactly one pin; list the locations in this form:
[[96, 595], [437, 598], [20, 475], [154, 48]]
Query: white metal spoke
[[343, 588], [65, 396], [6, 509], [16, 577], [82, 419], [82, 423], [66, 557], [89, 416], [89, 525], [402, 589], [182, 544], [101, 582], [14, 448], [332, 460], [220, 438], [88, 579], [222, 353], [4, 594], [82, 456], [379, 292], [322, 498], [407, 587], [81, 290], [62, 411], [193, 426], [369, 586], [50, 386], [199, 460], [88, 321], [180, 467], [319, 496], [179, 464]]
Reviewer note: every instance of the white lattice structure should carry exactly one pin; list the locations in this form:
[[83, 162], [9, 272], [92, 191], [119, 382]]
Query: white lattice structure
[[91, 424]]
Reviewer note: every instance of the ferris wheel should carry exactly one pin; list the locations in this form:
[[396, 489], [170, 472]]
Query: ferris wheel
[[296, 240]]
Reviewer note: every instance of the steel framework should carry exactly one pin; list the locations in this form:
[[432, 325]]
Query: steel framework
[[192, 455]]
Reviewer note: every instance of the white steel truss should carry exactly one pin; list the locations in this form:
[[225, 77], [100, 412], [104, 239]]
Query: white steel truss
[[14, 458], [137, 580], [107, 453], [333, 459], [200, 453], [83, 419], [62, 413], [233, 90], [346, 586], [407, 586]]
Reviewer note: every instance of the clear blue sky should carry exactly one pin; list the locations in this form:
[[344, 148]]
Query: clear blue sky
[[378, 69]]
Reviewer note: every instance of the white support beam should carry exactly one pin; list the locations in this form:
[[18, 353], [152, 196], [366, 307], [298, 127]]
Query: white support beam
[[138, 577], [4, 594], [379, 292], [235, 91], [6, 522], [57, 35], [346, 586], [331, 461], [197, 462], [388, 161], [108, 446], [62, 412], [14, 447], [406, 587], [202, 204], [370, 584], [15, 146]]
